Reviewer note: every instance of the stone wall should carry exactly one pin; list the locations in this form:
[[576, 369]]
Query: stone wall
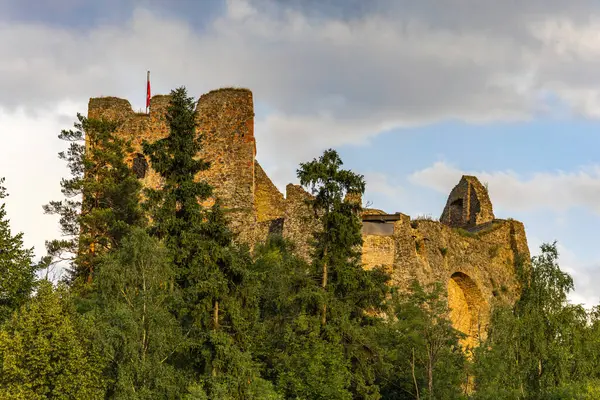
[[469, 251], [300, 222], [468, 204], [226, 120], [477, 268], [269, 202], [135, 127]]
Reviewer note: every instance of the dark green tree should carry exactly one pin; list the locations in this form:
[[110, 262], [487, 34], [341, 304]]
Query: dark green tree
[[322, 349], [43, 354], [17, 271], [214, 275], [337, 243], [288, 340], [101, 197]]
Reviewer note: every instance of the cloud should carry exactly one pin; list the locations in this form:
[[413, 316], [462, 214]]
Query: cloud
[[332, 73], [32, 170], [556, 191]]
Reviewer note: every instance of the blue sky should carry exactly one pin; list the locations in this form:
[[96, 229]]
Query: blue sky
[[412, 94]]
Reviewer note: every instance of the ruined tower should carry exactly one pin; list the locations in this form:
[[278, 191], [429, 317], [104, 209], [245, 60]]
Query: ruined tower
[[226, 120], [468, 205], [469, 250]]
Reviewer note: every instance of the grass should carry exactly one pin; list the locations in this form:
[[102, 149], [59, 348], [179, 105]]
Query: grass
[[443, 251], [465, 233], [425, 217]]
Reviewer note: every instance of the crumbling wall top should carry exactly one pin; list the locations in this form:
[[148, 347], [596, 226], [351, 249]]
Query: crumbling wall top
[[111, 108], [468, 205]]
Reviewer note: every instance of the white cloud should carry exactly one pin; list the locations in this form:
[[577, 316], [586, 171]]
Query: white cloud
[[557, 191], [32, 170], [328, 80]]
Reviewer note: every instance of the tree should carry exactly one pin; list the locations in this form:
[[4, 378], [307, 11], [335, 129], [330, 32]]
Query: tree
[[42, 354], [101, 197], [218, 302], [340, 300], [288, 340], [336, 247], [538, 346], [133, 326], [17, 271], [423, 357]]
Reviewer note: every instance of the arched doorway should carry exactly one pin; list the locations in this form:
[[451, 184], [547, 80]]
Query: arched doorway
[[468, 309]]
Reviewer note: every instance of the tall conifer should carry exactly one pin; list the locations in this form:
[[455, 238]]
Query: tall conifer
[[17, 272], [213, 274], [101, 197]]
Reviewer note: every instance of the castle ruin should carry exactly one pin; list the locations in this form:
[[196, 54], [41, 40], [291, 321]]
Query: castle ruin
[[469, 250]]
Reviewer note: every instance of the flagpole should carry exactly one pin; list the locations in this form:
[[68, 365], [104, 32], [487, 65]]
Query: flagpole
[[147, 91]]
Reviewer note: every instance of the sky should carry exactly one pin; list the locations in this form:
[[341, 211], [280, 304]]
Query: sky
[[411, 94]]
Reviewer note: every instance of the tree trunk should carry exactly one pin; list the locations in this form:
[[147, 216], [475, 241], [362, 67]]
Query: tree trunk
[[216, 316], [215, 326], [430, 378], [324, 285], [144, 322], [412, 364]]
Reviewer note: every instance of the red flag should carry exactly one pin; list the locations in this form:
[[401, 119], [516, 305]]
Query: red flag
[[148, 93]]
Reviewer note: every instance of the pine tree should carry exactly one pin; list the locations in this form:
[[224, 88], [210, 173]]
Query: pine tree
[[42, 353], [218, 296], [337, 245], [323, 348], [101, 197], [17, 272], [289, 339]]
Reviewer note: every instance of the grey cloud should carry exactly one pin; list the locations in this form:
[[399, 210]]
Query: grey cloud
[[333, 72]]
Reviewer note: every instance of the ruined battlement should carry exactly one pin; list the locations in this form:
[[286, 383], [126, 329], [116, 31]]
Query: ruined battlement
[[468, 249]]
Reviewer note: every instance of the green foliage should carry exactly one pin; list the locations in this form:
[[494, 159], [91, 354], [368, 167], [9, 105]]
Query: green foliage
[[422, 350], [289, 339], [337, 244], [132, 325], [101, 197], [443, 251], [538, 346], [327, 323], [17, 272], [465, 233], [42, 354], [218, 296]]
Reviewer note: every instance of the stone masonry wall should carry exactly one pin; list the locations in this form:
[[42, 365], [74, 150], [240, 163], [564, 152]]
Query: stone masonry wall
[[468, 205], [269, 202], [477, 268], [135, 127], [300, 222], [469, 251], [226, 119]]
